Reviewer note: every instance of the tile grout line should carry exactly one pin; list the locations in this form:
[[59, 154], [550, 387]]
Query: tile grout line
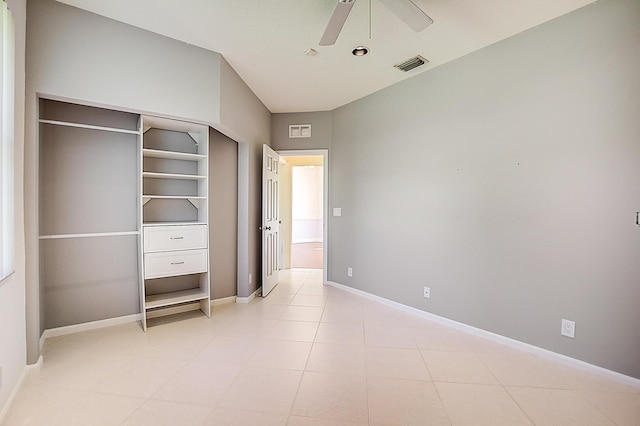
[[295, 398]]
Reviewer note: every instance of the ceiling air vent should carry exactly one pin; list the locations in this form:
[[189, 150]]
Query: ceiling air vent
[[412, 63]]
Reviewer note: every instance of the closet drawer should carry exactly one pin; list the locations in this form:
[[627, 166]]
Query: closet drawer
[[178, 237], [167, 264]]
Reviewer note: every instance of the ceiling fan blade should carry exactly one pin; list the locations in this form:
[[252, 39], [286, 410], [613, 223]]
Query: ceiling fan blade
[[410, 13], [340, 14]]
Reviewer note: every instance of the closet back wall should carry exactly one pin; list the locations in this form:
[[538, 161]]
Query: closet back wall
[[223, 215], [88, 185]]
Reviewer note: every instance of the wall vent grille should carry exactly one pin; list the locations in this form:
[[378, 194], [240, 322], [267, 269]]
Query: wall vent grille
[[300, 130], [412, 63]]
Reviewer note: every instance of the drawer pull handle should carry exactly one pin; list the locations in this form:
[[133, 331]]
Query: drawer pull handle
[[177, 263], [177, 238]]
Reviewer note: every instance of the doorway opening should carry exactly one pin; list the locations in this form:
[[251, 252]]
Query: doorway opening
[[303, 210]]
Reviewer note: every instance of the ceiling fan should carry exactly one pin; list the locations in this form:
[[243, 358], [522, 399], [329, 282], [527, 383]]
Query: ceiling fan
[[406, 10]]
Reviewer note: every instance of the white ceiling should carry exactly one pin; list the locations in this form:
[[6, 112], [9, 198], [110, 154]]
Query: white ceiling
[[265, 40]]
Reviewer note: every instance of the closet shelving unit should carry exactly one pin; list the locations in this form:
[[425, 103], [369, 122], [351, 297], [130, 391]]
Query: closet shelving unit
[[88, 225], [174, 216]]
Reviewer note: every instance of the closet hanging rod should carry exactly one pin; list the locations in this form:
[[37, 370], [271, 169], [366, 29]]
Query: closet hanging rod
[[91, 235], [90, 126]]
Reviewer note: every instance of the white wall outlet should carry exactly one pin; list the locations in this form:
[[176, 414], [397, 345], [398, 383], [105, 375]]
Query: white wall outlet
[[250, 278], [568, 328], [350, 272], [427, 293]]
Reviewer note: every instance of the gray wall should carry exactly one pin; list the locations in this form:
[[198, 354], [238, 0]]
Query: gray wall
[[321, 130], [223, 215], [79, 56], [245, 118], [82, 56], [507, 181], [12, 289]]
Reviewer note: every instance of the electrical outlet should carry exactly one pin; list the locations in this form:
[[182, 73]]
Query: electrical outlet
[[568, 328], [427, 293], [0, 377], [250, 278], [350, 272]]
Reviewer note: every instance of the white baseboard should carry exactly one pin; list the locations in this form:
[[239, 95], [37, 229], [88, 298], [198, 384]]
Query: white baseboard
[[18, 386], [12, 395], [250, 297], [516, 344], [93, 325], [223, 301]]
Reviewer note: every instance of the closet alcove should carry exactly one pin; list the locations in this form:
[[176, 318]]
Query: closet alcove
[[124, 218]]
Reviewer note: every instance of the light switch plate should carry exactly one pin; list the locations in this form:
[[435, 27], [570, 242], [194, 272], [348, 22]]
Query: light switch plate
[[337, 211]]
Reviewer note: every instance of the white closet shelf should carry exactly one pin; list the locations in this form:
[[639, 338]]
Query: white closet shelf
[[155, 175], [89, 126], [172, 155], [174, 223], [174, 298], [88, 235], [195, 200], [174, 197]]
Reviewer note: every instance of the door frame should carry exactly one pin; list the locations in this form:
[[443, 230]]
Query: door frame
[[325, 198]]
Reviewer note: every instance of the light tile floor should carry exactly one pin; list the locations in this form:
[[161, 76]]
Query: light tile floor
[[308, 355]]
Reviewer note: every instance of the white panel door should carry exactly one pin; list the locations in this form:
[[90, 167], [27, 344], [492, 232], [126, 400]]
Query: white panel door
[[270, 219]]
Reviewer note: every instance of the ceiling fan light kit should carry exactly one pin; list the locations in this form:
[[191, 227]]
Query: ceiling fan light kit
[[406, 10]]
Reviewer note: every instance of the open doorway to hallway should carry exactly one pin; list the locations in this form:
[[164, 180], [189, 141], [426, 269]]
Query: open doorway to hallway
[[302, 209], [306, 216]]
